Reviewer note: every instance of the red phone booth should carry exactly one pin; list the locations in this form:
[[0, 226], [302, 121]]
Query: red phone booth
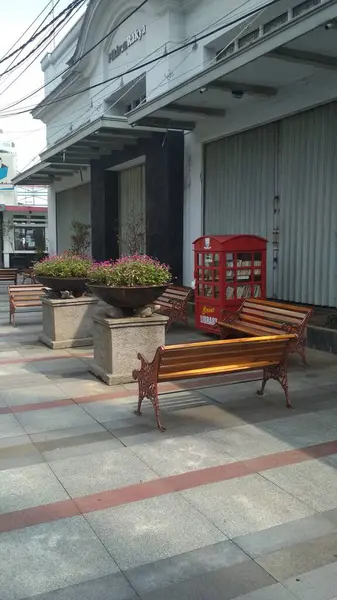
[[227, 269]]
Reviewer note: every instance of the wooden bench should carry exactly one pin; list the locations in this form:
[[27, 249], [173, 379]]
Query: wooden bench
[[9, 275], [24, 296], [264, 317], [28, 274], [173, 303], [188, 361]]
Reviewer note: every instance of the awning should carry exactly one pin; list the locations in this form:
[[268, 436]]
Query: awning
[[284, 44], [74, 153]]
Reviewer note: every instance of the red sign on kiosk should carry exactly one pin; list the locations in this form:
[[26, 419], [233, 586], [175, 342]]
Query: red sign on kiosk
[[227, 269]]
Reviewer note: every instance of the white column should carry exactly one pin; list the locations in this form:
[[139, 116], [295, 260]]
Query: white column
[[51, 231], [193, 219]]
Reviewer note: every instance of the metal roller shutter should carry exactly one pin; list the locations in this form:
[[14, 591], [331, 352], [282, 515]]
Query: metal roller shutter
[[240, 186]]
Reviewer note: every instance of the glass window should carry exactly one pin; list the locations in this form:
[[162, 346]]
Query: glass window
[[208, 291], [216, 291], [258, 259], [200, 260], [229, 260], [209, 260], [216, 275], [216, 260], [29, 238], [244, 260], [208, 275]]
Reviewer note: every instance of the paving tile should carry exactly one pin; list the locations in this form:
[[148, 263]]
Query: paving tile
[[300, 558], [286, 535], [272, 592], [153, 529], [18, 452], [46, 557], [109, 410], [29, 486], [248, 441], [101, 472], [111, 587], [179, 455], [318, 584], [313, 482], [69, 433], [50, 419], [162, 573], [10, 427], [224, 584], [76, 446], [245, 505], [62, 365], [304, 430], [32, 395]]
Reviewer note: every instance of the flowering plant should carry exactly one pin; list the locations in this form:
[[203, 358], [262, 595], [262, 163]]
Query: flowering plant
[[130, 271], [66, 264]]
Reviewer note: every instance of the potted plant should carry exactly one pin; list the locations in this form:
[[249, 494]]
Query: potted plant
[[64, 272], [130, 282]]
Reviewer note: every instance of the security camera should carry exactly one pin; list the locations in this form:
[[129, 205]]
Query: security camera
[[330, 25], [238, 94]]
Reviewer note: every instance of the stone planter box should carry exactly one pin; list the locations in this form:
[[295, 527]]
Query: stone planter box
[[68, 323], [118, 341]]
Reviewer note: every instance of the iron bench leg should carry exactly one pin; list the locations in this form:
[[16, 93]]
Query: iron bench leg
[[278, 373], [147, 377]]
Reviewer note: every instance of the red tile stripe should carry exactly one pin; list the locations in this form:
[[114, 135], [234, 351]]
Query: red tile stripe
[[159, 487]]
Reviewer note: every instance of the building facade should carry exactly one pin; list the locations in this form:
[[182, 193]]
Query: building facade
[[261, 141], [246, 92], [125, 182]]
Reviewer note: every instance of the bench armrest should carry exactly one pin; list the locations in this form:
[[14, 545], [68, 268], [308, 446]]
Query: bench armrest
[[228, 316], [288, 328]]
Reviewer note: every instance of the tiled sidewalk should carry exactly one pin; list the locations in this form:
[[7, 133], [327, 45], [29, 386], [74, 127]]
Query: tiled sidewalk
[[236, 500]]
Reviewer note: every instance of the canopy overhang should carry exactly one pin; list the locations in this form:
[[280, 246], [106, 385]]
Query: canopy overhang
[[284, 45], [74, 153]]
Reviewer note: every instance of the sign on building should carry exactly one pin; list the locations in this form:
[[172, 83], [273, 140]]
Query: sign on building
[[7, 171], [135, 36]]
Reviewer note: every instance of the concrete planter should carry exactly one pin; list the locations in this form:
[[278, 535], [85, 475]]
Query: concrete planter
[[118, 341], [68, 323]]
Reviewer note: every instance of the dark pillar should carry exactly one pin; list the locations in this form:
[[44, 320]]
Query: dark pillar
[[104, 212], [164, 200]]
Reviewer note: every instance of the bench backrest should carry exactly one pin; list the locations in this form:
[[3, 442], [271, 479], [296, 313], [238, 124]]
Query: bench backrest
[[21, 293], [8, 274], [175, 292], [273, 314], [197, 359]]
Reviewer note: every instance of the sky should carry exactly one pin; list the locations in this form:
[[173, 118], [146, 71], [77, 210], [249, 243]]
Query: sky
[[27, 133]]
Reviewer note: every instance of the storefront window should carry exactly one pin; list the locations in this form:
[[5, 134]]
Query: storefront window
[[29, 238]]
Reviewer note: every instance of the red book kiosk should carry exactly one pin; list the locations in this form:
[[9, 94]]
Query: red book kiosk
[[227, 269]]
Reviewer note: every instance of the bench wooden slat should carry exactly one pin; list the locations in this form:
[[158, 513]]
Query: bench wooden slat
[[203, 359], [272, 315], [173, 303], [24, 296], [279, 305], [262, 317]]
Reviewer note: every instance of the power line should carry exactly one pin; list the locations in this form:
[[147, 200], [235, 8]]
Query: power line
[[191, 42], [26, 30], [40, 30], [67, 13], [75, 62], [13, 61]]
